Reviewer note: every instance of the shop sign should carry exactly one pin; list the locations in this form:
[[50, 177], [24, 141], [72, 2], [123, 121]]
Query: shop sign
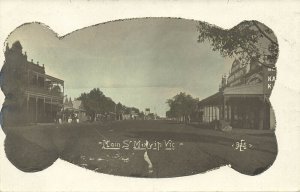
[[269, 79]]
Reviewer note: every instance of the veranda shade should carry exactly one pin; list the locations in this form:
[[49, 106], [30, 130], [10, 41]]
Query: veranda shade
[[244, 90]]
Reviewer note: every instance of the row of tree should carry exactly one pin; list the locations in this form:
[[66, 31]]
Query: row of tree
[[95, 102], [182, 107]]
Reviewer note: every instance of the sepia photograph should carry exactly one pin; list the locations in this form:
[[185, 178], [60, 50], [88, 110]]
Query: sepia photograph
[[147, 97]]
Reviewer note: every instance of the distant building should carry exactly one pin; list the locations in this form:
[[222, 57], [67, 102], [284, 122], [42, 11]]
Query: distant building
[[76, 108], [126, 117], [147, 111], [130, 114], [149, 115], [42, 94], [243, 98]]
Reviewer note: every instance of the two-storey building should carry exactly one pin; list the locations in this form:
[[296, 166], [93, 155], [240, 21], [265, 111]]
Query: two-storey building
[[40, 95], [243, 98]]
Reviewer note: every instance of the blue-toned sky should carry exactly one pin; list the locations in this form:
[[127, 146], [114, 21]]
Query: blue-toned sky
[[139, 62]]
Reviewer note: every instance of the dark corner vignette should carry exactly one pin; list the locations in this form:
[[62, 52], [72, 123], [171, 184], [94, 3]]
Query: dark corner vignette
[[147, 97]]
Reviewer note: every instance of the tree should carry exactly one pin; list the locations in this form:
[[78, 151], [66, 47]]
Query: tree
[[93, 102], [250, 41], [181, 106], [120, 108], [108, 105]]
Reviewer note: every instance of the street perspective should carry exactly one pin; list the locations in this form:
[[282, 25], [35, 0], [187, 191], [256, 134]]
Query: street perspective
[[146, 97]]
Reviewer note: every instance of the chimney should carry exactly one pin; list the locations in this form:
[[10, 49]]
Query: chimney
[[31, 60], [37, 63]]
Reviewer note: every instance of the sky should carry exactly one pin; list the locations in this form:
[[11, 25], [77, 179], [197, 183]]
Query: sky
[[139, 62]]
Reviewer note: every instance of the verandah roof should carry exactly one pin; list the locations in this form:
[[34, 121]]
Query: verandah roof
[[255, 90], [214, 99]]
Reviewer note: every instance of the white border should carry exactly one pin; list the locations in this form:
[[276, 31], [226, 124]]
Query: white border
[[66, 16]]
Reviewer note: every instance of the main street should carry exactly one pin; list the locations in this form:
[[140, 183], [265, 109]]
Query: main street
[[147, 148]]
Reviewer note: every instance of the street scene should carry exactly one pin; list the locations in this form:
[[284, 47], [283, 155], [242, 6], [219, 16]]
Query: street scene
[[154, 98], [144, 148]]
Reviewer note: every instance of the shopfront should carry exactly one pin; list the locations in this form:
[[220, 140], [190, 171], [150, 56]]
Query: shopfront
[[242, 100]]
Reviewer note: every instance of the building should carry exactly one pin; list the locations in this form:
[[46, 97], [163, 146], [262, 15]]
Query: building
[[80, 111], [243, 98], [39, 95], [74, 108], [147, 111], [149, 115]]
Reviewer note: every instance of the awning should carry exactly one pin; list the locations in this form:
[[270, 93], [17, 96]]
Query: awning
[[243, 91], [214, 99], [73, 109], [255, 90]]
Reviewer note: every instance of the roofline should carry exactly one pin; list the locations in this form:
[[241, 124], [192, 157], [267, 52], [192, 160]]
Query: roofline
[[216, 95]]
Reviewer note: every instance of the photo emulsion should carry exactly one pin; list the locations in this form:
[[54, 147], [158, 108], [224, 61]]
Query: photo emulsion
[[147, 97]]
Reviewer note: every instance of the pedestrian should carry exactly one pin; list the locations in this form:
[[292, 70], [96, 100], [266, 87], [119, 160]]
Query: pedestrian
[[69, 119]]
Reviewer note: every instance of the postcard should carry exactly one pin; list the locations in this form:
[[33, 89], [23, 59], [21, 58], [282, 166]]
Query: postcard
[[141, 98]]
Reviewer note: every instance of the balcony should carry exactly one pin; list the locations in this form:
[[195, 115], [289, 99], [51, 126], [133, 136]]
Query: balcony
[[44, 86], [43, 92]]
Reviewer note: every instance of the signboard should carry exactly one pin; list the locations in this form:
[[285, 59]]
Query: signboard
[[269, 79]]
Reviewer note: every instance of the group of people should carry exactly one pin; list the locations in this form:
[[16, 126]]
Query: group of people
[[69, 118], [73, 118]]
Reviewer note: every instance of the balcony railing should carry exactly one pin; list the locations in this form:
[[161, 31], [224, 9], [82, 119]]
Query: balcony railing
[[42, 90]]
